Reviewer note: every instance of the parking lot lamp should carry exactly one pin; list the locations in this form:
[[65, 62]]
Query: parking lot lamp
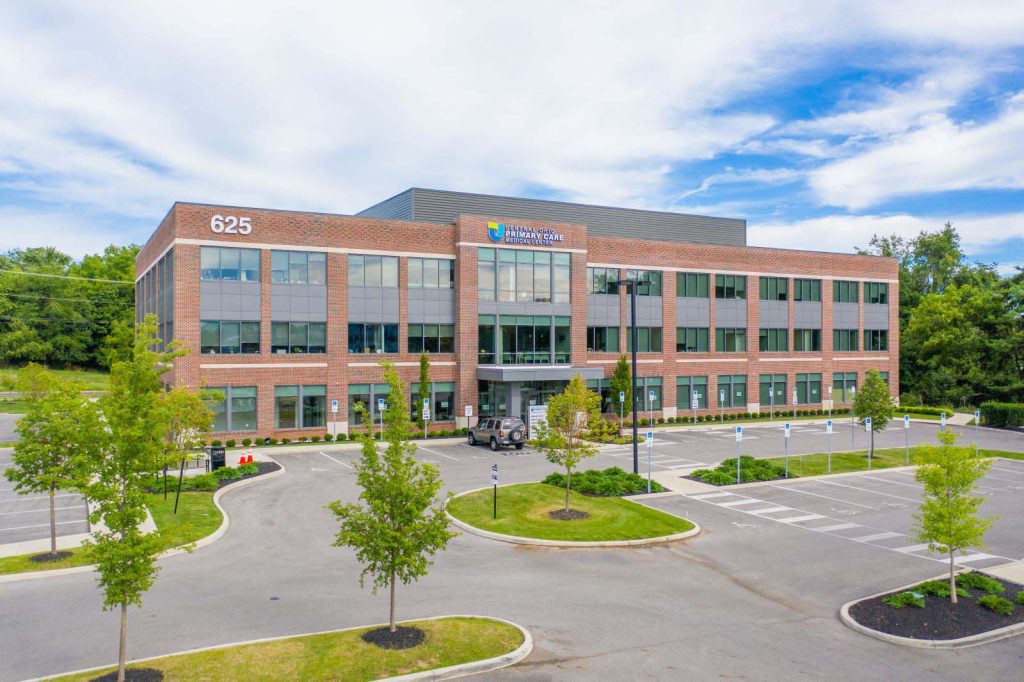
[[631, 285]]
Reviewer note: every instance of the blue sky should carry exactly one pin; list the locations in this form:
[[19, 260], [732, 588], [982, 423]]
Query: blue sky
[[820, 123]]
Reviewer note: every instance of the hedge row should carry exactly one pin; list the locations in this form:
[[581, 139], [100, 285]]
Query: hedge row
[[734, 416], [921, 409], [1002, 414], [327, 438]]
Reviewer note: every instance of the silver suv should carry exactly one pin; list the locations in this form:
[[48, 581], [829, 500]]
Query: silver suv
[[499, 432]]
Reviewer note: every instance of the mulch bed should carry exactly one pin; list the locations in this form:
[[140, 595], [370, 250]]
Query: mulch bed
[[939, 619], [47, 557], [133, 675], [265, 468], [402, 638], [570, 515]]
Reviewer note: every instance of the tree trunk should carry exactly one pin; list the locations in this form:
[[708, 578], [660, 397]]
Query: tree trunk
[[181, 475], [391, 625], [124, 642], [952, 577], [568, 478], [53, 523]]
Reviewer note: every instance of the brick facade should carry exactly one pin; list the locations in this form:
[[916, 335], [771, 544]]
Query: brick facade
[[187, 228]]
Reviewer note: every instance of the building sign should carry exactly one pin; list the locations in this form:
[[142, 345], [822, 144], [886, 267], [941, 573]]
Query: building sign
[[520, 234]]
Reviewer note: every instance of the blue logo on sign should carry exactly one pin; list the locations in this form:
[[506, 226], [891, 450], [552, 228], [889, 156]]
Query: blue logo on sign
[[496, 231]]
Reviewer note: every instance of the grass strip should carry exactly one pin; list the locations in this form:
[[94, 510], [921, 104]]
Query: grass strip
[[94, 380], [197, 517], [523, 511], [801, 466], [340, 655]]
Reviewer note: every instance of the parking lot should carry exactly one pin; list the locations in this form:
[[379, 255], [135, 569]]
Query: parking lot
[[27, 517]]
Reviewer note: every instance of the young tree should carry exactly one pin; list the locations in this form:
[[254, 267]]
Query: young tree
[[561, 437], [873, 400], [58, 436], [138, 424], [189, 421], [423, 390], [398, 525], [622, 381], [948, 520]]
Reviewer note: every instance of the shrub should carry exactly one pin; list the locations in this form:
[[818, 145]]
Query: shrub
[[314, 439], [230, 442], [246, 442], [215, 443], [898, 601], [603, 431], [271, 441], [249, 469], [340, 437], [920, 409], [1004, 607], [227, 474], [611, 482], [751, 469], [977, 581], [1019, 599], [661, 420], [286, 441], [327, 437], [939, 588], [1002, 414]]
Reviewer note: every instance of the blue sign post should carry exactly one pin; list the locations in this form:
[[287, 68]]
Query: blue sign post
[[739, 439], [828, 430], [871, 441], [906, 436], [650, 446], [786, 432], [977, 431]]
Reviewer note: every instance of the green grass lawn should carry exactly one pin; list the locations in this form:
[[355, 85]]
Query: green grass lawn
[[340, 655], [842, 462], [523, 511], [197, 517], [94, 380], [13, 406]]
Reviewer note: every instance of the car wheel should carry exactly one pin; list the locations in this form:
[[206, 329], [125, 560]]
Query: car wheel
[[472, 438], [494, 444], [519, 446]]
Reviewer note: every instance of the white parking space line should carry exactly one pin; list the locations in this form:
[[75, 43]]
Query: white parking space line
[[708, 496], [1019, 472], [770, 510], [39, 511], [25, 498], [435, 452], [795, 489], [739, 503], [41, 525], [910, 485], [911, 548], [979, 556], [338, 461], [838, 526], [868, 490], [878, 536]]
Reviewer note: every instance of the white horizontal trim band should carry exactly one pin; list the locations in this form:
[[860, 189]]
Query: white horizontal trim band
[[871, 358], [789, 359], [310, 247], [263, 365], [402, 364], [712, 360], [492, 245], [749, 273]]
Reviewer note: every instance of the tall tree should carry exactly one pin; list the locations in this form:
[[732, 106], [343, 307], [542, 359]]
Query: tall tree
[[59, 435], [622, 382], [138, 424], [561, 436], [873, 400], [423, 390], [398, 525], [948, 520], [189, 421]]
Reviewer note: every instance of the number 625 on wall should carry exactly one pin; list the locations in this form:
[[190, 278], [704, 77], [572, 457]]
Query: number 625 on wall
[[230, 224]]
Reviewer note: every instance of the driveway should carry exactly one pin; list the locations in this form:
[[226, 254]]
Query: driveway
[[754, 597], [27, 517], [7, 424]]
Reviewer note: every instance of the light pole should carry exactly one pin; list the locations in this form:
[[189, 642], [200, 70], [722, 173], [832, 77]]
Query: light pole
[[830, 402], [771, 398], [631, 285], [853, 419]]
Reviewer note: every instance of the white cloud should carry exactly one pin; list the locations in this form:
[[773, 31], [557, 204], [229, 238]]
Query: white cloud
[[844, 233]]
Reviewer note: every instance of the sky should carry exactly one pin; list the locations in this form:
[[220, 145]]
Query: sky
[[820, 123]]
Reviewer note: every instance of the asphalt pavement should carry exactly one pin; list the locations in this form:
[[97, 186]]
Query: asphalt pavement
[[755, 596]]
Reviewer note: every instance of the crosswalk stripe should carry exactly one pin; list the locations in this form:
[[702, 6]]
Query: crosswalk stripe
[[980, 556], [911, 548], [838, 526], [805, 517], [770, 510], [877, 536], [708, 496], [738, 503]]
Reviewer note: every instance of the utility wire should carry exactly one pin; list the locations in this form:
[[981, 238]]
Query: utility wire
[[84, 279]]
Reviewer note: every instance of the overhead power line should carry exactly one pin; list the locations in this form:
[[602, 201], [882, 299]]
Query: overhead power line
[[83, 279]]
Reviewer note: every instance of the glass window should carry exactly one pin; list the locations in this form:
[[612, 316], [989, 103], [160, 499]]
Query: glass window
[[807, 340], [731, 286], [415, 273], [562, 339], [685, 389], [844, 386], [430, 273], [230, 259], [876, 292], [298, 268], [844, 339], [317, 268], [278, 266], [445, 274], [730, 340], [773, 390], [773, 340], [808, 389], [844, 292], [807, 290], [443, 401], [506, 275], [603, 339], [691, 285], [229, 264], [356, 271], [286, 407], [357, 394], [692, 340], [389, 271], [876, 339], [314, 406], [648, 340], [602, 280], [317, 337], [209, 263], [243, 408], [774, 288], [732, 390], [229, 338], [298, 337], [218, 407], [209, 337], [648, 282], [249, 265], [562, 278], [372, 270], [486, 340], [372, 337], [486, 274], [650, 399]]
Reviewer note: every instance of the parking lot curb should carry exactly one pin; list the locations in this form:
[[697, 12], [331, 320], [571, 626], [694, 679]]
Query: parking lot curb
[[960, 643], [537, 542], [201, 542], [447, 673]]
